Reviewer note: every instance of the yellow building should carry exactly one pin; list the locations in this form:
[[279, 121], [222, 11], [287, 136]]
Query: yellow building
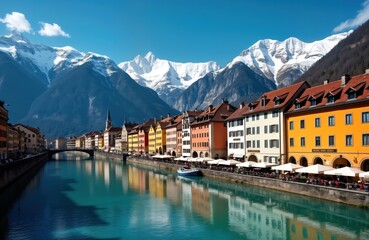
[[133, 140], [152, 140], [161, 137], [329, 124]]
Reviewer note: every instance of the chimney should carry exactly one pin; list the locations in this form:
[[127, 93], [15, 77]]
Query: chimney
[[344, 79], [242, 104], [224, 101], [326, 81], [168, 115], [367, 71], [210, 108]]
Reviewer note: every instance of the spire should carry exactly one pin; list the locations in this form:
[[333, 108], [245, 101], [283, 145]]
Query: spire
[[108, 121]]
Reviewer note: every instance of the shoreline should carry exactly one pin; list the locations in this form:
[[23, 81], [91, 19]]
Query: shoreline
[[340, 195]]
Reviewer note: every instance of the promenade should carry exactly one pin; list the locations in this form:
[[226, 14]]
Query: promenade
[[342, 193]]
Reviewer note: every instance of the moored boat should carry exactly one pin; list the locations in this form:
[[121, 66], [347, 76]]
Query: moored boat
[[188, 171]]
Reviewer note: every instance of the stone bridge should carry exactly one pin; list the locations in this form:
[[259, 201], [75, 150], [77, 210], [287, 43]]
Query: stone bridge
[[88, 151]]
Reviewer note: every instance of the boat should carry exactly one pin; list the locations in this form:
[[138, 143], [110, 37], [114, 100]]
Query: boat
[[189, 171]]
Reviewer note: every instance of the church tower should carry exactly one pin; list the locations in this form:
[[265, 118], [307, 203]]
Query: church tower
[[108, 121]]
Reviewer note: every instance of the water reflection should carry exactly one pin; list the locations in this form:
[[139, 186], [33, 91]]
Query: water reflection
[[256, 213], [127, 201]]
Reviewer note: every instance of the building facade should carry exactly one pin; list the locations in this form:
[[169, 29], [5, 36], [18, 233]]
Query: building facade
[[187, 119], [265, 126], [329, 124], [209, 131], [3, 131]]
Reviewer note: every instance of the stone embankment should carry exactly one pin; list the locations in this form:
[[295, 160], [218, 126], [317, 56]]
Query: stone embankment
[[11, 171], [346, 196]]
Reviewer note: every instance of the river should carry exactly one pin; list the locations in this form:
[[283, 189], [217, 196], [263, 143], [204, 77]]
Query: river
[[77, 198]]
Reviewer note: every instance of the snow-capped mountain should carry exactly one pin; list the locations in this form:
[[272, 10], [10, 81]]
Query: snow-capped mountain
[[49, 61], [55, 86], [283, 62], [167, 78]]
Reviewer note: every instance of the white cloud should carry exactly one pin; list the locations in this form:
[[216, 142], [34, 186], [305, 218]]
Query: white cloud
[[361, 17], [52, 30], [16, 21]]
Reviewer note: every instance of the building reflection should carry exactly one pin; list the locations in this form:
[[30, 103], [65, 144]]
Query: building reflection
[[252, 216]]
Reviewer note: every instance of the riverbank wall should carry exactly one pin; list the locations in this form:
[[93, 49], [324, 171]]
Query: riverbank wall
[[346, 196], [12, 171]]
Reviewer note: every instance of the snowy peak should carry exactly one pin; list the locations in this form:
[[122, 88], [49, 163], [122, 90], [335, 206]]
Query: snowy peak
[[50, 61], [283, 62], [165, 76]]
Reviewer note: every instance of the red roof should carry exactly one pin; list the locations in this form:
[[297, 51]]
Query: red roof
[[215, 114], [358, 84], [283, 95]]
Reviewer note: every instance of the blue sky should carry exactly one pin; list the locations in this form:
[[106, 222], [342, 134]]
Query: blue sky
[[177, 30]]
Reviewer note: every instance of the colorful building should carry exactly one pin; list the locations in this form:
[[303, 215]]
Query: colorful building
[[209, 131], [133, 140], [152, 138], [264, 124], [187, 119], [174, 136], [160, 137], [3, 131], [143, 137], [329, 124], [236, 134]]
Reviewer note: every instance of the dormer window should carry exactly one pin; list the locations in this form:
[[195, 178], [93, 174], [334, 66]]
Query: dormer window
[[276, 102], [330, 99], [312, 102], [263, 102], [351, 95], [251, 107], [297, 105]]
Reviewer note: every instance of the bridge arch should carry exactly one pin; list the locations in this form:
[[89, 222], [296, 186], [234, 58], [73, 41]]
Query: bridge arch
[[90, 152]]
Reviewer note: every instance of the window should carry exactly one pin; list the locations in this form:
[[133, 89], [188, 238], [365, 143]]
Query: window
[[265, 129], [302, 124], [265, 115], [276, 102], [297, 105], [257, 116], [348, 140], [312, 102], [275, 114], [330, 99], [273, 128], [274, 143], [291, 142], [331, 140], [365, 139], [266, 143], [257, 130], [365, 117], [331, 121], [317, 122], [258, 143], [302, 141], [348, 119], [351, 95], [291, 125], [317, 141], [248, 144]]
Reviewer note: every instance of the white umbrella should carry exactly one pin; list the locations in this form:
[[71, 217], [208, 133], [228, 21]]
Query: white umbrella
[[263, 165], [217, 161], [162, 156], [314, 169], [229, 162], [345, 171], [181, 158], [192, 159], [246, 164], [204, 159], [289, 167], [364, 174]]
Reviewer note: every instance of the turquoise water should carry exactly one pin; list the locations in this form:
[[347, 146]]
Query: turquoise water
[[102, 199]]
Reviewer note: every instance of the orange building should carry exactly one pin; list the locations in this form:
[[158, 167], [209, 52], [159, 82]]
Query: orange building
[[209, 131], [329, 124], [174, 136]]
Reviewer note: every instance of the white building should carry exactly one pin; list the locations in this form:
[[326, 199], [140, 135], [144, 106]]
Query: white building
[[60, 143], [236, 134], [34, 140], [188, 118], [264, 124]]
